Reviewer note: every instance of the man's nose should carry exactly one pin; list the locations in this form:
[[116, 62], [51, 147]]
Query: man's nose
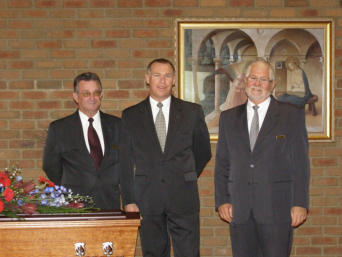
[[258, 82], [92, 96]]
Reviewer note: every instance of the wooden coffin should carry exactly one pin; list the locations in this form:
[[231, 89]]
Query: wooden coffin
[[56, 235]]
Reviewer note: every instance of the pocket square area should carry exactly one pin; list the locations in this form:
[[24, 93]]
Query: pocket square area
[[280, 137], [115, 147]]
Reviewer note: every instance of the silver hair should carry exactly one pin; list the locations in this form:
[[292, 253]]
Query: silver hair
[[270, 68]]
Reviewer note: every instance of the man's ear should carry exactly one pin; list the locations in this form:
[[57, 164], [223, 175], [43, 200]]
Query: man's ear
[[244, 78], [75, 97], [147, 79]]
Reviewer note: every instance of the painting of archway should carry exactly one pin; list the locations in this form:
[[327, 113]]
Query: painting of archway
[[213, 56]]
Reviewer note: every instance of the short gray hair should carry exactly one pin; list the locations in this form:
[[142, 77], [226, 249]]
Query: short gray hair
[[270, 68]]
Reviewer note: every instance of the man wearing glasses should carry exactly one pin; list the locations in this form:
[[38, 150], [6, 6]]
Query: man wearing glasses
[[81, 151], [262, 169]]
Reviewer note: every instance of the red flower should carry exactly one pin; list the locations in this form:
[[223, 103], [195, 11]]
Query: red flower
[[29, 208], [45, 180], [4, 180], [8, 194], [1, 206]]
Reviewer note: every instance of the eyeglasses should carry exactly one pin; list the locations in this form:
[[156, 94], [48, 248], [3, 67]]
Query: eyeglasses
[[261, 80], [167, 76], [96, 93]]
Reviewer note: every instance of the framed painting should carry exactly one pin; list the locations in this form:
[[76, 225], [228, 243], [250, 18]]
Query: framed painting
[[212, 55]]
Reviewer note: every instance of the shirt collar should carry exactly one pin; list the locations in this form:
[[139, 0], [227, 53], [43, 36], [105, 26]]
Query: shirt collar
[[166, 102], [261, 105], [84, 117]]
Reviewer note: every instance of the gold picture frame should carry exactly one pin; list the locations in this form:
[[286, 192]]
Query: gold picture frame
[[212, 53]]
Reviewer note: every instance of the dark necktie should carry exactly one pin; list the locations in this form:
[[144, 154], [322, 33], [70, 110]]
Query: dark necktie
[[94, 144], [161, 126], [254, 131]]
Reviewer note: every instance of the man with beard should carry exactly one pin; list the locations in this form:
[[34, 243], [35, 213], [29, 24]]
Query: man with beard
[[262, 169]]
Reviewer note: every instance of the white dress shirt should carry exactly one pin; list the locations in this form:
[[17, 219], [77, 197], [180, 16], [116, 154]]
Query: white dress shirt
[[262, 110], [96, 125], [165, 109]]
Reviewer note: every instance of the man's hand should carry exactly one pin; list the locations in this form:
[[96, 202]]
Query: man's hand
[[132, 207], [226, 212], [298, 215]]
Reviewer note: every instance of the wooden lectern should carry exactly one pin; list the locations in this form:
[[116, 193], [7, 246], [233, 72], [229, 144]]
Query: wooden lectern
[[109, 233]]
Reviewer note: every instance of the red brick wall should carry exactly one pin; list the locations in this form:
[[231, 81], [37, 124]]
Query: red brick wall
[[44, 44]]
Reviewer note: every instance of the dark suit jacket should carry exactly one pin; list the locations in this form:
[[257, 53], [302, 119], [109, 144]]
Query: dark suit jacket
[[163, 181], [67, 161], [272, 178]]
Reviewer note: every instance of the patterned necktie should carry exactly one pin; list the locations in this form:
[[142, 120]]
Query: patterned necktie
[[253, 133], [94, 144], [161, 126]]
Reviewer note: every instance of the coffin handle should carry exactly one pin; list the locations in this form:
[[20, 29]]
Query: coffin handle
[[79, 249], [107, 248]]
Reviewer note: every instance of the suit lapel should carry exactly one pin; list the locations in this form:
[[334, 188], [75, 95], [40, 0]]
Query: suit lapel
[[271, 119], [174, 122], [106, 131], [147, 121], [77, 133], [242, 117]]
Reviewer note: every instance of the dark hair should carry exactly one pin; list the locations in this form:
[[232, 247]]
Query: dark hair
[[87, 76], [160, 60]]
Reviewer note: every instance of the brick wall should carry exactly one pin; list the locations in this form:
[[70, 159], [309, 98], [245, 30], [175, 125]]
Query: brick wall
[[44, 44]]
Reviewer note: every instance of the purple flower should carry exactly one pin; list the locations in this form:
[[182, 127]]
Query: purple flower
[[48, 190], [20, 202]]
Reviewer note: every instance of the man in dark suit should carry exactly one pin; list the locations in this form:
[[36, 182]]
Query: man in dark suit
[[81, 150], [262, 177], [167, 163]]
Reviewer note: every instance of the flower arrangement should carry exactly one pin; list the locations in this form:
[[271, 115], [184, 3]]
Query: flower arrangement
[[19, 197]]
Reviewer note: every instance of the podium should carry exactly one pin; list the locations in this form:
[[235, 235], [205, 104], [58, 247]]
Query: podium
[[108, 233]]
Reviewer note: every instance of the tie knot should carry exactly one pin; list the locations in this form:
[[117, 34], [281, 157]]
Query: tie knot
[[91, 120], [255, 107], [160, 105]]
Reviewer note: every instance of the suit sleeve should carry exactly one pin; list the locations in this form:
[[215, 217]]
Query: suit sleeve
[[52, 162], [126, 163], [300, 162], [222, 166], [201, 144]]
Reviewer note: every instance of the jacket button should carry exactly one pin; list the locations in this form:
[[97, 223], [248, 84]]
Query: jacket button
[[163, 181]]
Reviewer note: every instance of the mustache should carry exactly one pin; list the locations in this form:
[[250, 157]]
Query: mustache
[[256, 88]]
